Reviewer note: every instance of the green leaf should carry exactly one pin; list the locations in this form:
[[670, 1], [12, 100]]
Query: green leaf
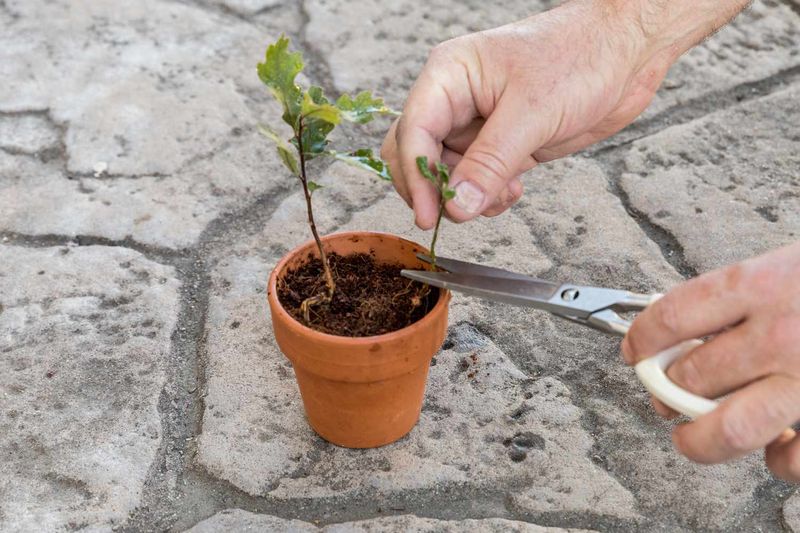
[[422, 165], [444, 175], [361, 108], [440, 180], [317, 96], [313, 186], [314, 137], [317, 107], [365, 159], [278, 72], [285, 151]]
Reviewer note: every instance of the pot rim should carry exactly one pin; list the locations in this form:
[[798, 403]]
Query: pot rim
[[441, 303]]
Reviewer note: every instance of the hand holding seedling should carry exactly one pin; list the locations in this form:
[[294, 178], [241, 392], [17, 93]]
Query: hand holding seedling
[[493, 104]]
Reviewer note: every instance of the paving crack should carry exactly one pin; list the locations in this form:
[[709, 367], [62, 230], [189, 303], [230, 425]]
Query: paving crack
[[55, 152], [156, 253], [449, 501], [227, 11], [613, 164], [793, 5], [173, 484], [699, 107], [317, 66]]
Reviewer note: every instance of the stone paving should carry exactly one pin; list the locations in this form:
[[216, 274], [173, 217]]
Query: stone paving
[[140, 214]]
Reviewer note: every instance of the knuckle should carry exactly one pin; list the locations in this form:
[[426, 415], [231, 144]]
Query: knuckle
[[733, 277], [667, 315], [779, 343], [688, 374], [763, 279], [491, 167], [440, 51], [735, 433], [634, 348]]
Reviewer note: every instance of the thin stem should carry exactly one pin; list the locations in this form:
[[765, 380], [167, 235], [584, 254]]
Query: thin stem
[[436, 232], [304, 180]]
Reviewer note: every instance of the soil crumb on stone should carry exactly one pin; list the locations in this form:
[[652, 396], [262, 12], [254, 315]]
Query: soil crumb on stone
[[371, 298]]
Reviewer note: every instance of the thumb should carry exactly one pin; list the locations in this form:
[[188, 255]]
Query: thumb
[[500, 152]]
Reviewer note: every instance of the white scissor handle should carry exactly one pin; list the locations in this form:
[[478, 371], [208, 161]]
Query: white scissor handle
[[652, 374]]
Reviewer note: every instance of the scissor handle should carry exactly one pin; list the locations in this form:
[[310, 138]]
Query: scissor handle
[[652, 371], [652, 374]]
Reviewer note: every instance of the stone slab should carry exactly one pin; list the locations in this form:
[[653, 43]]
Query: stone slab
[[239, 520], [162, 101], [84, 336], [727, 185], [791, 513]]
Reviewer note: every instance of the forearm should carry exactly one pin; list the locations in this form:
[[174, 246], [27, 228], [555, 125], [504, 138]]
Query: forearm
[[671, 27]]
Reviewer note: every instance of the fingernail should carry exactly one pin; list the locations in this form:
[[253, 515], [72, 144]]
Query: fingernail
[[468, 197]]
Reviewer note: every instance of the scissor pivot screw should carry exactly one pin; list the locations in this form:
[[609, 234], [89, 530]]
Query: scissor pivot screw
[[570, 294]]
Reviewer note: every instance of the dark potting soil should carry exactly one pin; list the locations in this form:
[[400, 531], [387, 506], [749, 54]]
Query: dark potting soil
[[371, 298]]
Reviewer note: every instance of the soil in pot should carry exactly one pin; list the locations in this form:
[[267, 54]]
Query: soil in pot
[[371, 298]]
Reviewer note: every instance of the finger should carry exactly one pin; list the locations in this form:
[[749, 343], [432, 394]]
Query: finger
[[512, 193], [727, 362], [498, 154], [460, 139], [663, 409], [701, 306], [436, 104], [506, 199], [783, 456], [450, 157], [748, 420], [389, 155]]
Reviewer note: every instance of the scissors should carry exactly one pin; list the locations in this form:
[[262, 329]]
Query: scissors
[[594, 307]]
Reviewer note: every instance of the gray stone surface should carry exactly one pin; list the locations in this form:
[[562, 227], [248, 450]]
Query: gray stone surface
[[84, 333], [791, 513], [141, 387], [739, 165], [166, 113], [239, 520]]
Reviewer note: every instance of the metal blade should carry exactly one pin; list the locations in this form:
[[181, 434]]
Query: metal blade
[[527, 292], [462, 267]]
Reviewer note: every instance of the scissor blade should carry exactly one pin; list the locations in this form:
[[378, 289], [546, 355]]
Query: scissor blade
[[462, 267], [528, 292]]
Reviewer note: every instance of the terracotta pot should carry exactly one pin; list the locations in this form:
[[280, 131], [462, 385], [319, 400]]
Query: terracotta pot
[[360, 392]]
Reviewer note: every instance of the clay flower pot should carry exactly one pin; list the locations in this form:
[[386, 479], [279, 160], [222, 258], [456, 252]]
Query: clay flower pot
[[360, 392]]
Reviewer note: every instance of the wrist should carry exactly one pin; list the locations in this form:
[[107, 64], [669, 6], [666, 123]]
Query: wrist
[[671, 27]]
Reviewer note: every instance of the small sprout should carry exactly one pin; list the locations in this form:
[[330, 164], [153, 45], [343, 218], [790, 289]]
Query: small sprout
[[312, 118], [441, 180]]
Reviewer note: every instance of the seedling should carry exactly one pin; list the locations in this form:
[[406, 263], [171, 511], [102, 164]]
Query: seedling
[[441, 180], [312, 118]]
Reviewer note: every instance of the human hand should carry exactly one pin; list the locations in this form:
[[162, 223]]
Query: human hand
[[493, 104], [753, 311]]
